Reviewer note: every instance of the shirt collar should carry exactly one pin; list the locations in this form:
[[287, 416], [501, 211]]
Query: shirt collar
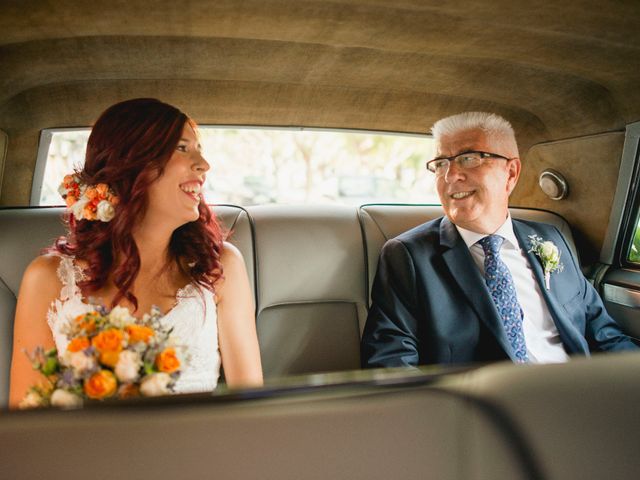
[[505, 231]]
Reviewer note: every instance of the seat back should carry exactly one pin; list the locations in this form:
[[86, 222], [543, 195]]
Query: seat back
[[311, 291], [356, 434], [578, 419]]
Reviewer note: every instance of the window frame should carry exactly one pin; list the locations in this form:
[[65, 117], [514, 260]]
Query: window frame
[[625, 211]]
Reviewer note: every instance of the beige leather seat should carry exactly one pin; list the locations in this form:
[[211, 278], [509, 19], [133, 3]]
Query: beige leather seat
[[311, 268], [312, 301]]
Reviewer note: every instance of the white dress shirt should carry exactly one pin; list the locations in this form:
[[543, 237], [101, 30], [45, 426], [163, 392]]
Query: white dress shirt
[[540, 332]]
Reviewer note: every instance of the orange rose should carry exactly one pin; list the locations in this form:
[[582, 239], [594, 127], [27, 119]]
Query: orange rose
[[167, 361], [86, 322], [110, 359], [91, 193], [114, 199], [89, 212], [78, 344], [100, 385], [139, 333], [70, 200], [68, 180], [102, 189], [108, 341]]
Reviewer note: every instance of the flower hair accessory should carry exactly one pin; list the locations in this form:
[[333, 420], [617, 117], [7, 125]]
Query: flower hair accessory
[[88, 202], [549, 256]]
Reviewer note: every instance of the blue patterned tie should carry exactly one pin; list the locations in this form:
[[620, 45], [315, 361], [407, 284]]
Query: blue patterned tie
[[503, 291]]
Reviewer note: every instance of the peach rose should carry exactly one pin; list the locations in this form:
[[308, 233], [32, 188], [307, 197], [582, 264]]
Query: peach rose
[[91, 193], [139, 333], [89, 212], [109, 344], [128, 367], [63, 399], [167, 361], [79, 362], [102, 189], [155, 384], [100, 385], [78, 344], [108, 340], [70, 199]]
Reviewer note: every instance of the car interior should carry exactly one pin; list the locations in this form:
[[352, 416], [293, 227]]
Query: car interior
[[565, 74]]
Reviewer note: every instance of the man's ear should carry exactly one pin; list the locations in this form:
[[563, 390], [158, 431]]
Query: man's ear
[[513, 173]]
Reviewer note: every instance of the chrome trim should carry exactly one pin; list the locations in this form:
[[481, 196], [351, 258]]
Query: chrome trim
[[621, 295], [629, 155]]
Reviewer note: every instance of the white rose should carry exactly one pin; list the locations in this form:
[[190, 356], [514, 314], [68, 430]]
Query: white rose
[[79, 362], [120, 316], [550, 251], [155, 384], [64, 399], [105, 211], [78, 207], [62, 190], [128, 366], [31, 400]]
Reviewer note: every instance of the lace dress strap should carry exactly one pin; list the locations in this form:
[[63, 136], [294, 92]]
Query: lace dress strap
[[69, 275], [69, 304]]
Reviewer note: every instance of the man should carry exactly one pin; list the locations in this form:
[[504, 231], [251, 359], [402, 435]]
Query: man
[[466, 287]]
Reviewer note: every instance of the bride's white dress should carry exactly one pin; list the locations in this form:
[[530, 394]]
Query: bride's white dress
[[193, 319]]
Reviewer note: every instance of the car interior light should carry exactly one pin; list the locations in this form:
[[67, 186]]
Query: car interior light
[[553, 184]]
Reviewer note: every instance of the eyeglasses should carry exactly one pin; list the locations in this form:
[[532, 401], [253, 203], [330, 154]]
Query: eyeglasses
[[466, 160]]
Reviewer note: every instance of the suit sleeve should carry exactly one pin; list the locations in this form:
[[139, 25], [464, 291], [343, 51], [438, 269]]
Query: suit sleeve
[[390, 337], [601, 331]]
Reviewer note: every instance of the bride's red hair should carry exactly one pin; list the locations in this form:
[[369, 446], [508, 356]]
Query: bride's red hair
[[128, 149]]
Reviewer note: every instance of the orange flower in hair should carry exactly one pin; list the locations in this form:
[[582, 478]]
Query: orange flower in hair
[[88, 202]]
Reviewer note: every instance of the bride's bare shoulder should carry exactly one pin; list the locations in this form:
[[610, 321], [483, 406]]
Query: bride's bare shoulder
[[230, 254], [42, 271]]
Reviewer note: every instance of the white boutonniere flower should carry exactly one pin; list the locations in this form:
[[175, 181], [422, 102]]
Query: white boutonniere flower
[[549, 256]]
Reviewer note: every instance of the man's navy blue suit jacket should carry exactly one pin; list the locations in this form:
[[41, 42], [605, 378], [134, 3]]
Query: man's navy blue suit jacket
[[430, 303]]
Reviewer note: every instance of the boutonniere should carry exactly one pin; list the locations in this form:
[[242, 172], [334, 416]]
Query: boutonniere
[[549, 256]]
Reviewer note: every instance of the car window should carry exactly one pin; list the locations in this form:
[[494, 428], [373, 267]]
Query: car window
[[252, 166]]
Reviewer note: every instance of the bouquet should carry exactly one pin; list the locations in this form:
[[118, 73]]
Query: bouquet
[[110, 354]]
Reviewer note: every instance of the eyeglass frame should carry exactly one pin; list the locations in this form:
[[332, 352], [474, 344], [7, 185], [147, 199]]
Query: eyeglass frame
[[452, 158]]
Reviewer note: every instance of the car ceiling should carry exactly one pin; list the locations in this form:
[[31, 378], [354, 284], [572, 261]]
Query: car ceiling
[[556, 70]]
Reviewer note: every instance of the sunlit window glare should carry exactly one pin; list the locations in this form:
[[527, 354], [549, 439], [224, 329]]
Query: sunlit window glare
[[253, 166]]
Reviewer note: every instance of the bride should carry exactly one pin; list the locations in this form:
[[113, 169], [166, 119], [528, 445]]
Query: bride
[[151, 242]]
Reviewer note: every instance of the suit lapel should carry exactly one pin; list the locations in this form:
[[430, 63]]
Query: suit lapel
[[463, 269], [568, 333]]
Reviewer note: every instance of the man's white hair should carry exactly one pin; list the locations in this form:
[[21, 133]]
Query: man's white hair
[[491, 124]]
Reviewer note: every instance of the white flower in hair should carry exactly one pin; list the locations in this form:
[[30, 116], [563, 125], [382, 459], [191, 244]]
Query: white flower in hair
[[105, 211], [78, 208]]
